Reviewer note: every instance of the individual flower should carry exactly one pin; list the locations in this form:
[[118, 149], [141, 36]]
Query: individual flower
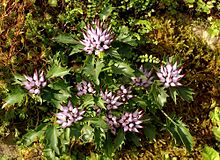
[[169, 75], [124, 93], [97, 38], [36, 83], [144, 80], [69, 115], [112, 121], [131, 121], [84, 88], [112, 101]]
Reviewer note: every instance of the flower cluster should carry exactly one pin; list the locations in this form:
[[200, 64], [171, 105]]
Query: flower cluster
[[97, 39], [144, 80], [124, 93], [169, 75], [69, 115], [84, 88], [111, 100], [112, 122], [35, 83], [131, 121]]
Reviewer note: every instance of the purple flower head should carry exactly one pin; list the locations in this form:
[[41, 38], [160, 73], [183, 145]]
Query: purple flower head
[[144, 80], [124, 93], [112, 122], [112, 101], [169, 75], [69, 115], [131, 121], [36, 83], [97, 38], [84, 88]]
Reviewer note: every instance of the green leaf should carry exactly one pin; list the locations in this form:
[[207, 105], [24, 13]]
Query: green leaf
[[15, 96], [76, 49], [124, 36], [215, 115], [92, 69], [56, 70], [180, 133], [108, 146], [209, 153], [216, 131], [122, 68], [99, 137], [33, 135], [51, 138], [158, 94], [98, 122], [134, 138], [106, 12], [87, 134], [185, 93], [173, 94], [119, 140], [150, 132], [66, 39]]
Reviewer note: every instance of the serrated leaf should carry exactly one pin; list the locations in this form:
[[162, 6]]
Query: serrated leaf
[[114, 53], [122, 68], [173, 94], [51, 138], [180, 133], [124, 36], [150, 132], [216, 131], [76, 49], [66, 39], [185, 93], [54, 97], [119, 140], [33, 135], [87, 134], [158, 95], [16, 96], [99, 137], [98, 122], [106, 12], [92, 69], [134, 138], [57, 70], [209, 153], [108, 147], [215, 115]]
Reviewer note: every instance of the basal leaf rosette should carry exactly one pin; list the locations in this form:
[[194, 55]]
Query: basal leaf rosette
[[97, 37], [169, 75]]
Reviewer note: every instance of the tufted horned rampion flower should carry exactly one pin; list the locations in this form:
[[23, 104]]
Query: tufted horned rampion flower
[[144, 80], [69, 115], [112, 121], [97, 38], [169, 75], [112, 101], [131, 121], [124, 93], [84, 88], [35, 83]]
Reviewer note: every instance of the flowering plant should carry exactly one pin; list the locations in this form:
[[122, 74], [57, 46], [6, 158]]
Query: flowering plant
[[109, 97]]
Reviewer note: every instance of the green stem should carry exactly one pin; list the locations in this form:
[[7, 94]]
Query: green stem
[[168, 117]]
